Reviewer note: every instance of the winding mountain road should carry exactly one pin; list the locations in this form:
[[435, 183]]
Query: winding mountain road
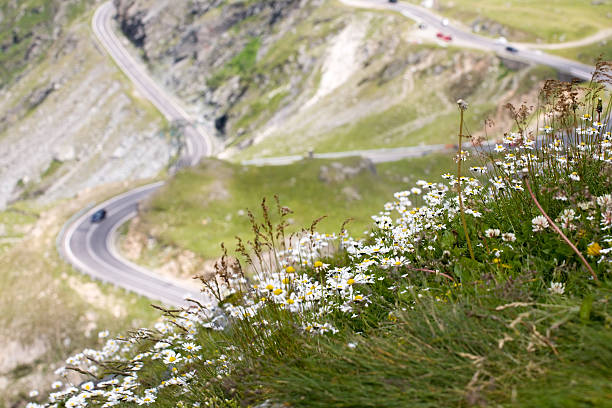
[[198, 140], [90, 247]]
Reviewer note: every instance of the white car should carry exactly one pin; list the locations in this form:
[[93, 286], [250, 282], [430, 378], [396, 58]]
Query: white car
[[445, 22]]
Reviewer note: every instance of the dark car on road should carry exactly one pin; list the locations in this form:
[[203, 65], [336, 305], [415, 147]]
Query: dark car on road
[[511, 49], [98, 216], [392, 1]]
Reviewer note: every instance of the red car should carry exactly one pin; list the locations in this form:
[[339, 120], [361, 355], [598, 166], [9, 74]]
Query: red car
[[444, 37]]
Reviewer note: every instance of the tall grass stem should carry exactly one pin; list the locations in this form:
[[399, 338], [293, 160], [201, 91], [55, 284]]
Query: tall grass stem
[[554, 226]]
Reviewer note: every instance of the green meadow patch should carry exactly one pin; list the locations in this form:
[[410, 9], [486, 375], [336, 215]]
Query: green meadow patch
[[201, 207], [588, 54]]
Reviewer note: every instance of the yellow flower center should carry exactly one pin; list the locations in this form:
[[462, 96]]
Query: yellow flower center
[[318, 264], [278, 291], [594, 249], [290, 269], [350, 281], [269, 287]]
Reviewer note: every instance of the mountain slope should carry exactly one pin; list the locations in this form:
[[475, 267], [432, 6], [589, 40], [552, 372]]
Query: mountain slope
[[288, 77], [72, 121], [27, 30]]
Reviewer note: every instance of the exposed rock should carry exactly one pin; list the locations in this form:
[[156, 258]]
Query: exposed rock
[[492, 28], [336, 172], [65, 153], [351, 193], [220, 123], [15, 354], [39, 95], [133, 243], [393, 69], [187, 42], [75, 110], [228, 93], [438, 69], [317, 70], [131, 21]]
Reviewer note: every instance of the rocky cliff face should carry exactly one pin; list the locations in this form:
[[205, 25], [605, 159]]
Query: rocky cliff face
[[28, 28], [187, 44]]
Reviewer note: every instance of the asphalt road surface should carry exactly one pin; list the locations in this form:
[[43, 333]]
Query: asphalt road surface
[[90, 247]]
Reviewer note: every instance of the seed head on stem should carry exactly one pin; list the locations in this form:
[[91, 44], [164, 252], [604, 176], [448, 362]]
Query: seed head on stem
[[463, 105]]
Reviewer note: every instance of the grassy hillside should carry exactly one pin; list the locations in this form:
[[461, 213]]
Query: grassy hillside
[[387, 86], [199, 208], [528, 21], [468, 292], [589, 53]]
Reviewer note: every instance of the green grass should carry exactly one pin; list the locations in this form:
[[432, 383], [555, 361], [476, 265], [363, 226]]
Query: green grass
[[385, 130], [528, 21], [241, 64], [53, 167], [421, 360], [260, 107], [589, 53], [199, 208], [15, 222]]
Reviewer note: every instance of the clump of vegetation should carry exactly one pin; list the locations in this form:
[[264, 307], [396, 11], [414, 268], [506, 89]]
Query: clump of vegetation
[[410, 316], [241, 64]]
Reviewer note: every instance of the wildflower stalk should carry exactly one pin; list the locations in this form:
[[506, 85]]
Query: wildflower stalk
[[462, 107], [431, 272], [554, 226]]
